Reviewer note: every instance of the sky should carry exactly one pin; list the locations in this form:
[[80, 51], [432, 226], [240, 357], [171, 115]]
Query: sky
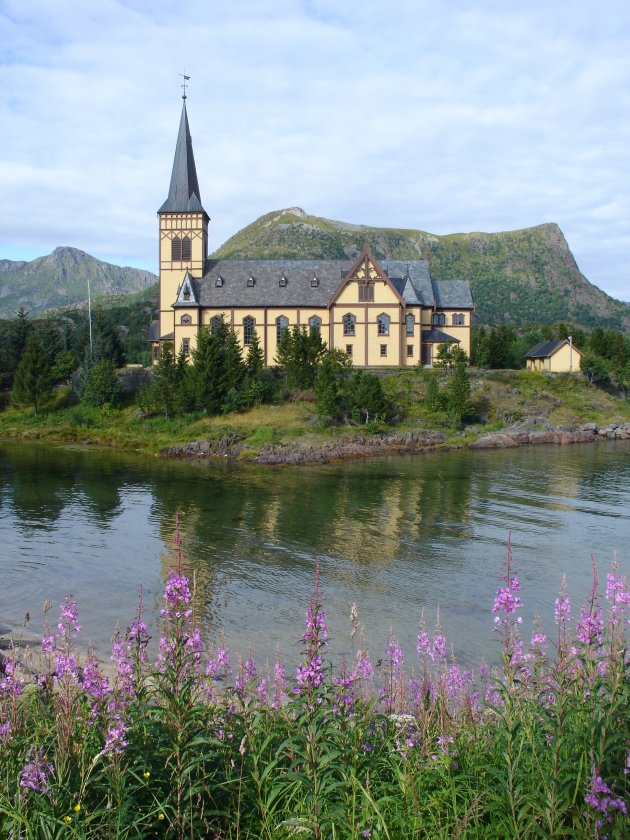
[[445, 116]]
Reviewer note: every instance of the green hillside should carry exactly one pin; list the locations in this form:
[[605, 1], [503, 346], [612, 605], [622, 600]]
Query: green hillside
[[517, 277]]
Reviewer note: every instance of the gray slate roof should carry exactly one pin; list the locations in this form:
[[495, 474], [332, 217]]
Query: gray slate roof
[[183, 194], [411, 279], [544, 349], [434, 336]]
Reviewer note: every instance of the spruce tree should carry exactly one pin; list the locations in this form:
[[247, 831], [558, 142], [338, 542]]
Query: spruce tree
[[458, 395], [33, 381], [255, 362], [164, 385]]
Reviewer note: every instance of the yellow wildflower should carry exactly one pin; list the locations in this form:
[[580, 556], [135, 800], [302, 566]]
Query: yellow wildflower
[[77, 807], [67, 819], [146, 774], [160, 816]]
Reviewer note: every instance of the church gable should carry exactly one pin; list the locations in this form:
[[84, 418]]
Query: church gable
[[366, 282], [186, 294]]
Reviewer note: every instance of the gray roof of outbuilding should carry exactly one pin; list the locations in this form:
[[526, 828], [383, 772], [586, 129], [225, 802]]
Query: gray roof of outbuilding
[[411, 279], [544, 349], [183, 193], [153, 333]]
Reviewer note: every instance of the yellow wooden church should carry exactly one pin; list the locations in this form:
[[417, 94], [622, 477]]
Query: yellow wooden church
[[381, 313]]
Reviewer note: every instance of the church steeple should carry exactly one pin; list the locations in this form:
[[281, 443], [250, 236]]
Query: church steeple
[[183, 194]]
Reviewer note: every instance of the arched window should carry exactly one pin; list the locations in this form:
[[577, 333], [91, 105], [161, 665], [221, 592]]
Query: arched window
[[349, 323], [439, 319], [180, 249], [282, 324], [315, 324], [410, 323], [215, 324], [249, 325], [383, 324], [458, 320], [185, 319]]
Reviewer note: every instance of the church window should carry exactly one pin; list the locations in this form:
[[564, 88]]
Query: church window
[[349, 350], [282, 324], [366, 292], [410, 351], [349, 323], [383, 324], [186, 249], [458, 320], [186, 319], [439, 319], [409, 324], [251, 281], [249, 326], [383, 349], [186, 346], [315, 324], [283, 282], [186, 294], [176, 249], [215, 324]]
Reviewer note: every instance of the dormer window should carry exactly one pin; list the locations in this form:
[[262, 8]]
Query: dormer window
[[251, 281], [314, 282], [283, 282], [186, 295], [219, 282]]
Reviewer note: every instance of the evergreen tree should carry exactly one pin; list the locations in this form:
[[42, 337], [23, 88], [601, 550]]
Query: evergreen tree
[[367, 398], [209, 369], [234, 365], [32, 383], [433, 398], [329, 384], [458, 395], [255, 362], [101, 385], [164, 385]]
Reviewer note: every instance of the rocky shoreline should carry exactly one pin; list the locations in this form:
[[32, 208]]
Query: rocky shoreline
[[232, 447]]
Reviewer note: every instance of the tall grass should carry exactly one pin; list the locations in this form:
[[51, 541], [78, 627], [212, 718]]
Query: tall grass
[[190, 746]]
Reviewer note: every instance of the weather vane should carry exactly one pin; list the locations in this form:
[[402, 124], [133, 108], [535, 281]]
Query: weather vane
[[186, 79]]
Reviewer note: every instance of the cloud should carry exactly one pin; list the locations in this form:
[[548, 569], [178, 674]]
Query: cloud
[[445, 117]]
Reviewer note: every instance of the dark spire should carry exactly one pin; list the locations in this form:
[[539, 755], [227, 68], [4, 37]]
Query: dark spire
[[183, 194]]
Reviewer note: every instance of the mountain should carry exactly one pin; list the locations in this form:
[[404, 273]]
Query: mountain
[[60, 280], [517, 277]]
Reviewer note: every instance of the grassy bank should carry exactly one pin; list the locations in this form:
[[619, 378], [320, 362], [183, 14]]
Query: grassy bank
[[500, 399], [194, 745]]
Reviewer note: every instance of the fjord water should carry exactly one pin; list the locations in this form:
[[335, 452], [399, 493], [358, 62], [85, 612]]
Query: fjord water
[[395, 535]]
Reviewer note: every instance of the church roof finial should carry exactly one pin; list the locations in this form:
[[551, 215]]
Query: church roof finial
[[186, 79]]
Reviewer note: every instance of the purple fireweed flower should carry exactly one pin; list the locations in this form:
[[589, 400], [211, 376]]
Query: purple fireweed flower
[[457, 683], [262, 690], [363, 667], [11, 683], [395, 655], [310, 674], [68, 619], [177, 597], [219, 665], [601, 799], [115, 739], [590, 627], [506, 601], [424, 644], [95, 685], [251, 671], [48, 644], [279, 685], [438, 652], [121, 657], [5, 732], [538, 641], [35, 774]]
